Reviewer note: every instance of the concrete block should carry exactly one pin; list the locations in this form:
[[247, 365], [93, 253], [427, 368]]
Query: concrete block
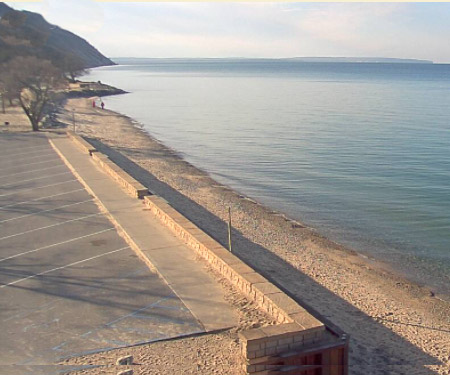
[[260, 353], [286, 303], [156, 200], [253, 346], [299, 338], [266, 288], [282, 349], [242, 269], [124, 361], [277, 332], [258, 360], [309, 336], [256, 278], [196, 233], [252, 336], [209, 242], [307, 321], [99, 157], [272, 350], [265, 372], [271, 343], [225, 255], [285, 341]]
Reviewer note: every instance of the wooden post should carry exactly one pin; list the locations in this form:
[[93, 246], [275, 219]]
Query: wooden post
[[229, 229], [3, 103]]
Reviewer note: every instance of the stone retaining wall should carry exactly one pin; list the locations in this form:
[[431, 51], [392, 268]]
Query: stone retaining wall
[[131, 186], [261, 347], [81, 143], [296, 329]]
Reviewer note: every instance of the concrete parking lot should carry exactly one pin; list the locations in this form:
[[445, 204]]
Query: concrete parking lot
[[69, 284]]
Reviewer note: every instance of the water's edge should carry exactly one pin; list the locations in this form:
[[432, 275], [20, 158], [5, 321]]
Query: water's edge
[[379, 264]]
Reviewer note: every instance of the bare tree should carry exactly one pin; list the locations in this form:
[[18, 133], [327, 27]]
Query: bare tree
[[31, 81], [2, 96], [9, 87], [72, 66]]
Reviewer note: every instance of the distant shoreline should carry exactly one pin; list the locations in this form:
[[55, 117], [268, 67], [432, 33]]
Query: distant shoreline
[[355, 60]]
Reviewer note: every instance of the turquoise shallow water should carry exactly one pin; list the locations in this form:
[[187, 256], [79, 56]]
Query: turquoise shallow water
[[359, 151]]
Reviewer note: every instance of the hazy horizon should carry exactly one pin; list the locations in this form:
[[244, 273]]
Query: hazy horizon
[[255, 30], [275, 58]]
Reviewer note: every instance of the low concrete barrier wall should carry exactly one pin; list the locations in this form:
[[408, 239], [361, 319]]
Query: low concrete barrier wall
[[297, 333], [296, 329], [133, 187], [81, 143]]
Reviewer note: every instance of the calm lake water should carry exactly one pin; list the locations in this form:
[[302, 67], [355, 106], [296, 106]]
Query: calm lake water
[[359, 151]]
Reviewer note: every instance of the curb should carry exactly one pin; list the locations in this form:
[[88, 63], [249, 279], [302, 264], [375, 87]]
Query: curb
[[106, 212]]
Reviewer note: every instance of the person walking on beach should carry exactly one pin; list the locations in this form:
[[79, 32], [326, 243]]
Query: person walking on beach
[[93, 103], [103, 105]]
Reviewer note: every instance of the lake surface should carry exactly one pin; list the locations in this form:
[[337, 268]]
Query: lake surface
[[359, 151]]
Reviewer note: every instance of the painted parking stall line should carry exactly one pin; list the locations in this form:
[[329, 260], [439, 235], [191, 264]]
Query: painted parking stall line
[[41, 198], [50, 226], [57, 244], [29, 153], [62, 260], [32, 171], [28, 159], [28, 164], [6, 151], [62, 267], [36, 179], [36, 188], [45, 211]]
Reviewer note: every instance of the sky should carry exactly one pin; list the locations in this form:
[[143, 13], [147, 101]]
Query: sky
[[254, 29]]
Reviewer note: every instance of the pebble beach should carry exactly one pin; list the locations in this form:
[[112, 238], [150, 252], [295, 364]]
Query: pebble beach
[[396, 327]]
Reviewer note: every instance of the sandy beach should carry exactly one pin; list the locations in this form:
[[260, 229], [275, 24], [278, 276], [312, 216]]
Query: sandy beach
[[396, 327], [214, 353]]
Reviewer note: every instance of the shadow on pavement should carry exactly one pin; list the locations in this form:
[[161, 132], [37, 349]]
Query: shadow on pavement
[[375, 349]]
